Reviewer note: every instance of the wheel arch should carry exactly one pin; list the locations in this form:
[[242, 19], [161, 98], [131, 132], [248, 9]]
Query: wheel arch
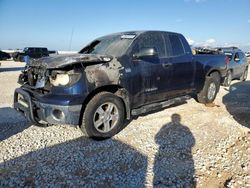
[[115, 89], [215, 71], [202, 94]]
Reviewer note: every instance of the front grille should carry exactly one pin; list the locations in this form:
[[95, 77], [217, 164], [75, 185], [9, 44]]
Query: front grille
[[32, 77], [36, 77]]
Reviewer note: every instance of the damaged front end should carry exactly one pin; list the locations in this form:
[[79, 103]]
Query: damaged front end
[[34, 77], [38, 72], [53, 88]]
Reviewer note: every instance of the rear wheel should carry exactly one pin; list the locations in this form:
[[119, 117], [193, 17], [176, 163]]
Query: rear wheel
[[210, 89], [244, 75], [228, 78], [103, 116]]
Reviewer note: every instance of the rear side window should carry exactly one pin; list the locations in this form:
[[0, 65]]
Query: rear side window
[[168, 45], [176, 45], [152, 40]]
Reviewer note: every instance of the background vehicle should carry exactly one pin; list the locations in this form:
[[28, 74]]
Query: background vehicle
[[248, 57], [238, 66], [32, 52], [116, 77], [202, 50], [4, 55]]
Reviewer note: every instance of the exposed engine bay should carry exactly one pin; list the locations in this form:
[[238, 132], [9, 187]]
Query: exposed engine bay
[[57, 71]]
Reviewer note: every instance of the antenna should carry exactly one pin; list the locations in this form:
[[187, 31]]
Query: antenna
[[71, 36]]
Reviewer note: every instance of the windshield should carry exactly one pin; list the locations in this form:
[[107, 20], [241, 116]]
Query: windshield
[[113, 45], [229, 55]]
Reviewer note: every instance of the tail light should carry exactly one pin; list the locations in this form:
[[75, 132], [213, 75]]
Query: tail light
[[227, 60]]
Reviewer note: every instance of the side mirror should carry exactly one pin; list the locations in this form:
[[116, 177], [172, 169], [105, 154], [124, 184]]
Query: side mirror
[[146, 53], [237, 59]]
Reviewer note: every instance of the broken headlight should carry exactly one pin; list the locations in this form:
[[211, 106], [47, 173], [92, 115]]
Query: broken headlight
[[64, 79]]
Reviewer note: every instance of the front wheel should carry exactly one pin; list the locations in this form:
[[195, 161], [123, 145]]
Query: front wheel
[[103, 116], [210, 89]]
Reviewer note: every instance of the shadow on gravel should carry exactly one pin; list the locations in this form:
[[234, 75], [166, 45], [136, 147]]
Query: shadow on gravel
[[9, 69], [174, 165], [77, 163], [237, 102], [11, 123]]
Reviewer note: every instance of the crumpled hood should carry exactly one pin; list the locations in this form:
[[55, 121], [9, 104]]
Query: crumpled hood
[[60, 61]]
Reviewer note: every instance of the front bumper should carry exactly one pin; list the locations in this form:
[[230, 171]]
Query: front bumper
[[42, 113]]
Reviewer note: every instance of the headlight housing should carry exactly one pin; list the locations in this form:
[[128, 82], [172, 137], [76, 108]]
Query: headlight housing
[[64, 79]]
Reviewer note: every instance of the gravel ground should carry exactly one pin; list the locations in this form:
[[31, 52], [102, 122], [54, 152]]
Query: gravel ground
[[183, 146]]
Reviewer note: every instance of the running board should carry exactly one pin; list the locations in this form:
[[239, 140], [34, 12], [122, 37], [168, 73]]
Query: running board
[[158, 106]]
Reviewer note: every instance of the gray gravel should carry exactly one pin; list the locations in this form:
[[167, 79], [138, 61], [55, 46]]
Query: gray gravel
[[183, 146]]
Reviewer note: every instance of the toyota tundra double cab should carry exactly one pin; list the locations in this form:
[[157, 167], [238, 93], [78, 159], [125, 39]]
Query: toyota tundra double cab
[[114, 78]]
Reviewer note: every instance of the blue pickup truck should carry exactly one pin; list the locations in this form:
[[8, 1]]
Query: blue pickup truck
[[116, 77]]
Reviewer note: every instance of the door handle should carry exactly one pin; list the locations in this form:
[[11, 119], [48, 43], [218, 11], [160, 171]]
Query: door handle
[[167, 65]]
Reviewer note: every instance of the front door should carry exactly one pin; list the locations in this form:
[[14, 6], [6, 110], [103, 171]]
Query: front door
[[154, 75]]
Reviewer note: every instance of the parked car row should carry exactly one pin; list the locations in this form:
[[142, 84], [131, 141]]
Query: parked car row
[[31, 52]]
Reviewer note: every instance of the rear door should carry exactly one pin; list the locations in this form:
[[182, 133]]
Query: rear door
[[181, 65]]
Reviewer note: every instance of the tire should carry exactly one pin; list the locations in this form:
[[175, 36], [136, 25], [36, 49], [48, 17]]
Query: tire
[[210, 89], [244, 75], [14, 58], [228, 78], [21, 58], [97, 120]]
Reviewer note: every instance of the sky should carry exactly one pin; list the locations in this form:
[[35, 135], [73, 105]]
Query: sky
[[71, 24]]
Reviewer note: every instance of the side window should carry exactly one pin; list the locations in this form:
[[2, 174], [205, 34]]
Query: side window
[[176, 45], [236, 56], [152, 40], [241, 55], [169, 51]]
